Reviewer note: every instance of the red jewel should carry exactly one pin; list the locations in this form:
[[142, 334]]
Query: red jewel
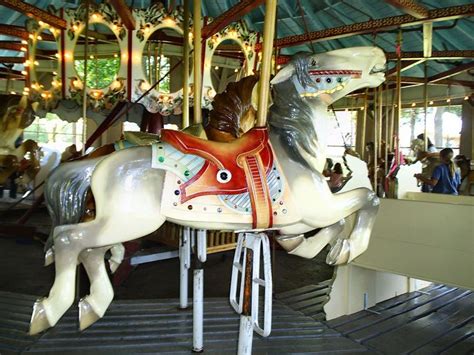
[[318, 80]]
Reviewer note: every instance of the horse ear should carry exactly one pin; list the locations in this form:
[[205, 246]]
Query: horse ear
[[283, 74]]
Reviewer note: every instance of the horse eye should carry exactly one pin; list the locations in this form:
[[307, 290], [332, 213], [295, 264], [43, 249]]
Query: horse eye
[[328, 80], [313, 62]]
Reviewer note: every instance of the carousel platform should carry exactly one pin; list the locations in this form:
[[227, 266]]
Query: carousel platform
[[438, 320]]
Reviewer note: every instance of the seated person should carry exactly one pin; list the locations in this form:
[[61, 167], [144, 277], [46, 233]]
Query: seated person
[[445, 178]]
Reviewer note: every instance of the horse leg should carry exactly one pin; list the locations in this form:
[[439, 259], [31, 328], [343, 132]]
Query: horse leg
[[310, 247], [365, 203], [93, 306], [118, 253], [47, 311]]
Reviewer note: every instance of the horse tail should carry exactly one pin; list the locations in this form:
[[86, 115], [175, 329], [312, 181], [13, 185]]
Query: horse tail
[[66, 193], [232, 112]]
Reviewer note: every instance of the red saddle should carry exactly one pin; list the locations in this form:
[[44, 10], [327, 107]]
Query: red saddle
[[230, 168]]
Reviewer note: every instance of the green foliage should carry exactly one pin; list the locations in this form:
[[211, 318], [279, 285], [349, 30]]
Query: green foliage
[[100, 71]]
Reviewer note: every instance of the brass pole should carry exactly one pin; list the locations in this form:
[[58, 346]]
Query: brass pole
[[185, 122], [425, 102], [268, 36], [149, 62], [364, 124], [392, 120], [386, 128], [399, 89], [376, 147], [84, 83], [197, 61]]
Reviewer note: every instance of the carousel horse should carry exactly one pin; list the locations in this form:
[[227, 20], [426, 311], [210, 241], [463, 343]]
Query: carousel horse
[[428, 160], [23, 161], [266, 178]]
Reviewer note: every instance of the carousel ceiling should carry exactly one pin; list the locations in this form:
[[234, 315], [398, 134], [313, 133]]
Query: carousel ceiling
[[298, 17]]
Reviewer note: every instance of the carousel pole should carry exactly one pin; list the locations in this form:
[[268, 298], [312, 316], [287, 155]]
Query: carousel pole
[[364, 124], [425, 104], [386, 129], [186, 66], [246, 327], [197, 61], [185, 237], [265, 71], [198, 272], [399, 89], [376, 146], [84, 81]]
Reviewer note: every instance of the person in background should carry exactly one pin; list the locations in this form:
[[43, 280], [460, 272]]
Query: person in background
[[336, 178], [445, 178], [328, 167]]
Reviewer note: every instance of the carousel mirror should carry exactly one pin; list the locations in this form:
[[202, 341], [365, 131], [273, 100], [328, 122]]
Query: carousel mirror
[[45, 61], [228, 64], [163, 50], [103, 52]]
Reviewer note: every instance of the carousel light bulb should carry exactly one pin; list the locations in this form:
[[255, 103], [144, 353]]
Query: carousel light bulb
[[43, 95], [23, 49], [74, 28], [216, 67], [55, 73], [115, 55], [431, 102], [24, 72], [26, 63], [36, 63], [466, 98], [24, 41], [448, 100], [67, 55], [236, 70], [13, 92], [31, 36], [39, 38], [95, 16], [278, 67], [91, 56], [413, 104], [56, 55], [362, 108], [27, 89]]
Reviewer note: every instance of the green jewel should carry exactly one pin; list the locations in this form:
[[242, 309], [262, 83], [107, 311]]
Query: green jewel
[[161, 159], [186, 173]]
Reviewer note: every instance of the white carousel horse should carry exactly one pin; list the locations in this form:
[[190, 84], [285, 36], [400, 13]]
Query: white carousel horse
[[133, 198]]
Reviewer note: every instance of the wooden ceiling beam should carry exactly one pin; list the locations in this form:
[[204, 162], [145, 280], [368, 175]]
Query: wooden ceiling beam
[[407, 64], [377, 25], [451, 72], [21, 32], [410, 7], [16, 60], [421, 81], [36, 13], [233, 14], [12, 46], [124, 12]]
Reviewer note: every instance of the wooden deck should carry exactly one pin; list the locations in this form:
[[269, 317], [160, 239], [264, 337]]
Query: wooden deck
[[439, 320]]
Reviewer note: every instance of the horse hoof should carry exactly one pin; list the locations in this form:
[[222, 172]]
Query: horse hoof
[[49, 257], [39, 322], [113, 266], [339, 253], [87, 315]]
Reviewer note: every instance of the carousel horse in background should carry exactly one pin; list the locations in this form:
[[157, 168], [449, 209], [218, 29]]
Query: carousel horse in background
[[23, 161], [260, 179], [428, 160]]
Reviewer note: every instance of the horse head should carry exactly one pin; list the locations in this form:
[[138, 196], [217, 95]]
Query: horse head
[[332, 75], [304, 89]]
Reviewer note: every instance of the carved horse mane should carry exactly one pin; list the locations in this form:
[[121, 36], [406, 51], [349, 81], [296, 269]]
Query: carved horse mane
[[232, 113]]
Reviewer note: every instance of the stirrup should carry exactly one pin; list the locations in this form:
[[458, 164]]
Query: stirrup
[[259, 244]]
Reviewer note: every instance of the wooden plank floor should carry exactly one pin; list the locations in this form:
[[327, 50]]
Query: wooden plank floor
[[440, 321]]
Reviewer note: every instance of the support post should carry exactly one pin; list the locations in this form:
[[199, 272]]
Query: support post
[[184, 264], [185, 122], [197, 61], [425, 105], [84, 79], [198, 291]]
